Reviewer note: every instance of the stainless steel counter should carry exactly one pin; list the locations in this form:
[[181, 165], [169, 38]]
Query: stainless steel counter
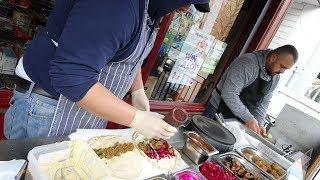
[[19, 149]]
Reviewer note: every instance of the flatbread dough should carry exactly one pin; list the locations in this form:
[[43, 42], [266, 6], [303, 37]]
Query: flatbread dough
[[127, 165], [72, 160], [167, 164]]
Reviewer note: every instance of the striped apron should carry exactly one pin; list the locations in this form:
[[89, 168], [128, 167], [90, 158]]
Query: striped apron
[[115, 76]]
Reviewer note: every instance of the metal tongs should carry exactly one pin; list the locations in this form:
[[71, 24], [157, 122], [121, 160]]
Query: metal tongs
[[220, 119]]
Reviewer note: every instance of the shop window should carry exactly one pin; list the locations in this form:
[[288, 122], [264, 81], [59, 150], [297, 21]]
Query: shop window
[[314, 91], [192, 47], [301, 83]]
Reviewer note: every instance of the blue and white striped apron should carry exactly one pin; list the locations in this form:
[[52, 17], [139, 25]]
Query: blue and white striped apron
[[115, 76]]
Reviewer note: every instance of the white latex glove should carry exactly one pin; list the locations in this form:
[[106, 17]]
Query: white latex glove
[[140, 100], [152, 125]]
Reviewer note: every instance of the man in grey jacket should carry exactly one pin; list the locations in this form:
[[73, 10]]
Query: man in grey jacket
[[246, 87]]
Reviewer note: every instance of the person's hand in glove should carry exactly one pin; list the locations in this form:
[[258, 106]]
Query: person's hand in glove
[[152, 125], [140, 100]]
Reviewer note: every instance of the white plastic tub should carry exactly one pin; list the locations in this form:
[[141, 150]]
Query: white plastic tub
[[68, 159]]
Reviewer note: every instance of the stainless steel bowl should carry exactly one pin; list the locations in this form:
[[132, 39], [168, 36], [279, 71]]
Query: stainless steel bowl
[[197, 149]]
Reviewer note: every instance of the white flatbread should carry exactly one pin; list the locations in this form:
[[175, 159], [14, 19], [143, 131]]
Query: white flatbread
[[106, 141], [166, 164], [127, 165]]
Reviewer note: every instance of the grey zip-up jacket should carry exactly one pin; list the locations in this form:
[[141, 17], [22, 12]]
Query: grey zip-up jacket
[[241, 73]]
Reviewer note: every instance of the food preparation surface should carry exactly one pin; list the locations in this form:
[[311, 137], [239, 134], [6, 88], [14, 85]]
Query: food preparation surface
[[19, 149]]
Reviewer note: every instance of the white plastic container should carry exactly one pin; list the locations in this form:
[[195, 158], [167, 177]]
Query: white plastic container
[[88, 165]]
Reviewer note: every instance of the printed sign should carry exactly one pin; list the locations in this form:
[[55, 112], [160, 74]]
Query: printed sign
[[191, 57], [213, 57]]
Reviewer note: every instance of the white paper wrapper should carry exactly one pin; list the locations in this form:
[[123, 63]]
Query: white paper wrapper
[[148, 170]]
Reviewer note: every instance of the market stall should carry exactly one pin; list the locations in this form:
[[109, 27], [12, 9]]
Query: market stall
[[189, 56], [123, 154]]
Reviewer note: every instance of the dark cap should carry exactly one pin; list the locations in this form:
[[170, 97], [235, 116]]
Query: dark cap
[[205, 8]]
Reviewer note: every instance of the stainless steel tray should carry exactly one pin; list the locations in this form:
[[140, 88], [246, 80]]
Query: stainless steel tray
[[267, 143], [228, 157], [193, 168], [159, 177], [216, 159], [251, 153], [197, 149]]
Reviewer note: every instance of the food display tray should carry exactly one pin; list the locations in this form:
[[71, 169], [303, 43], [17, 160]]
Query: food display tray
[[216, 159], [196, 168], [245, 163], [197, 148], [55, 155], [268, 160], [172, 176], [159, 177]]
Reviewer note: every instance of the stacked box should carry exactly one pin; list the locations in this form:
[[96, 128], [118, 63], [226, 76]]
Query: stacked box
[[8, 61]]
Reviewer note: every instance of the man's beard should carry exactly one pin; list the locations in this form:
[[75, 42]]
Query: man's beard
[[269, 72]]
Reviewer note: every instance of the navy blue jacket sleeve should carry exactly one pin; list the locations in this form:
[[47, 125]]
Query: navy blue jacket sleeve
[[93, 33]]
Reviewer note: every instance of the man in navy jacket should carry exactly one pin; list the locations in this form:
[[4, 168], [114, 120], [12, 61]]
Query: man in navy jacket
[[89, 54]]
